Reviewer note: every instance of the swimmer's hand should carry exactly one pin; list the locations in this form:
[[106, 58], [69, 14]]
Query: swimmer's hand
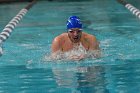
[[77, 58]]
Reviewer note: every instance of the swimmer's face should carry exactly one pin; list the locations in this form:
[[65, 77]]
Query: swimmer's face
[[75, 34]]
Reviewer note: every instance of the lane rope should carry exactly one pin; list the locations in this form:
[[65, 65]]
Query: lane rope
[[131, 8], [6, 32]]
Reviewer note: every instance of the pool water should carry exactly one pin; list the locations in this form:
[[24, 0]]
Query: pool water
[[23, 68]]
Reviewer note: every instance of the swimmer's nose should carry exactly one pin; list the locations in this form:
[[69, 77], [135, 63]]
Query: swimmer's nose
[[75, 33]]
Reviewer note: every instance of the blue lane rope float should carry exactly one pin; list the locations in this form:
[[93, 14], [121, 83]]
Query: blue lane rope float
[[4, 35], [131, 8]]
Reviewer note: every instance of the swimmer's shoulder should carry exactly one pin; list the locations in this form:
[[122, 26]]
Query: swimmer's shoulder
[[60, 37], [63, 36]]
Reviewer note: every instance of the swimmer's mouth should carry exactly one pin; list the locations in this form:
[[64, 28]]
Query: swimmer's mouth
[[76, 38]]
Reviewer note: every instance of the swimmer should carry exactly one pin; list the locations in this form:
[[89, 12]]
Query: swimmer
[[73, 38]]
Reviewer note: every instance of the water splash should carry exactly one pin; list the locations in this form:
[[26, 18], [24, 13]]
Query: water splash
[[1, 52], [77, 53]]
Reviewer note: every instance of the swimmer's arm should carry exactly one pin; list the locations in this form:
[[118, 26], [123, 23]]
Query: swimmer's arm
[[56, 48], [56, 45], [94, 47], [94, 44]]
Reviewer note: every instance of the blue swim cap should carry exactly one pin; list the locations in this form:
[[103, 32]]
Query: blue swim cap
[[74, 22]]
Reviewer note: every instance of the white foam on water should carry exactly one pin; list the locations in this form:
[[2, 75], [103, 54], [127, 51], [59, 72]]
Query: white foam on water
[[77, 53], [1, 52]]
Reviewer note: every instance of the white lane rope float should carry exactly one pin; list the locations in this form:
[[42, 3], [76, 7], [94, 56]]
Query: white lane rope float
[[131, 8], [4, 35], [134, 10]]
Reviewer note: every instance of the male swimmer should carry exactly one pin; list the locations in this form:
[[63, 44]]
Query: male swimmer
[[75, 37]]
